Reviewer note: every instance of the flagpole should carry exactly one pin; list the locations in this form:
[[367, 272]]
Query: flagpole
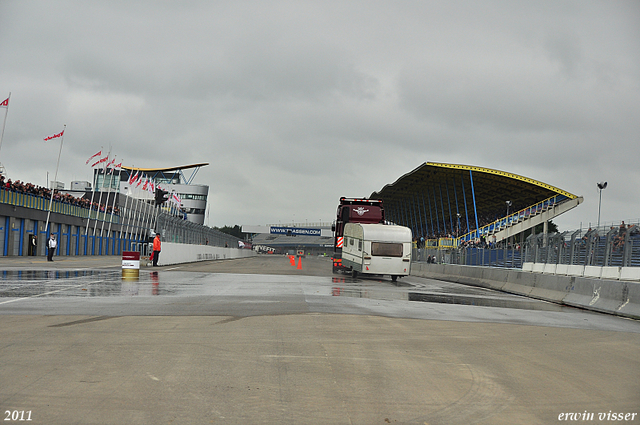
[[136, 217], [113, 205], [55, 179], [4, 123], [93, 192], [106, 206], [104, 174], [131, 209], [124, 212]]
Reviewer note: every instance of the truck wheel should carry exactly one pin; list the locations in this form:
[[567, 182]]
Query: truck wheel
[[354, 274], [394, 278]]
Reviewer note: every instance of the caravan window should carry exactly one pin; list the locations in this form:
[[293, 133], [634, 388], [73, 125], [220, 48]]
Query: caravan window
[[386, 249]]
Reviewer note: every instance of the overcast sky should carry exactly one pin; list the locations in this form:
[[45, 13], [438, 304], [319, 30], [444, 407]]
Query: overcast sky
[[297, 103]]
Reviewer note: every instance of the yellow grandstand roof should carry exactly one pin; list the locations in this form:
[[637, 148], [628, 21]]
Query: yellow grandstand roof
[[460, 186]]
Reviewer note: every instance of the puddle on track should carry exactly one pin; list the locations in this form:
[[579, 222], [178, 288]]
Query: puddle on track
[[110, 283], [440, 293]]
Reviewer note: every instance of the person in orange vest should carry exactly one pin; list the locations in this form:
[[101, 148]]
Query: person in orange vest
[[156, 249]]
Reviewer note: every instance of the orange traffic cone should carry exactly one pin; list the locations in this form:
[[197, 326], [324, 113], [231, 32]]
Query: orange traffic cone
[[292, 260], [299, 263]]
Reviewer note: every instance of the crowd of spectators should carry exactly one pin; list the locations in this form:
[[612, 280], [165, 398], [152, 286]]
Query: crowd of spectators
[[618, 239], [31, 189]]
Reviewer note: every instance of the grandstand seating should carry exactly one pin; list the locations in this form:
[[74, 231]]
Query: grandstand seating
[[524, 219]]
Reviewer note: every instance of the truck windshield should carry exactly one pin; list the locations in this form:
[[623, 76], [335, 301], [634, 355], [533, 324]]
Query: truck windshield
[[386, 249]]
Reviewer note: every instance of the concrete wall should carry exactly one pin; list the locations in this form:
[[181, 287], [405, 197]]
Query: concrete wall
[[175, 253], [617, 297]]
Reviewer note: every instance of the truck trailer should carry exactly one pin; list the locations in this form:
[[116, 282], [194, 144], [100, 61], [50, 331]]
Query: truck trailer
[[377, 249], [353, 210]]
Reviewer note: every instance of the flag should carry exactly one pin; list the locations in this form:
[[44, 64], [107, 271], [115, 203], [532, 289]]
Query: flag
[[100, 161], [145, 185], [51, 136], [115, 167], [5, 103], [113, 161], [93, 156], [133, 178]]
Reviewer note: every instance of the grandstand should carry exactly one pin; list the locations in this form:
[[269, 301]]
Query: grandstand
[[452, 204], [80, 230]]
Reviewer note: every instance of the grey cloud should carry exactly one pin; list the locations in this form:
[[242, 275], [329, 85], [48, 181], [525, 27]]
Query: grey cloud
[[295, 104]]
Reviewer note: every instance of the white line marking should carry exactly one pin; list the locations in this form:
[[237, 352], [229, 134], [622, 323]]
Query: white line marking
[[51, 292]]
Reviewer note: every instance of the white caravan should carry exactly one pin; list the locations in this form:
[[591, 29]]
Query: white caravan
[[377, 249]]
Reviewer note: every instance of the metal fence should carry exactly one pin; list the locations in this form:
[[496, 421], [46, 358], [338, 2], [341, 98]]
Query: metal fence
[[174, 229], [617, 245], [27, 200]]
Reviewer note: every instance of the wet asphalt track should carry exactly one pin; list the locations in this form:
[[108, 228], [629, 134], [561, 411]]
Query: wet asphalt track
[[323, 348]]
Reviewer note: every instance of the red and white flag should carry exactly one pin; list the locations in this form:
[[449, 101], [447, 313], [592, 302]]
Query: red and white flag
[[54, 136], [5, 103], [93, 156], [100, 161], [112, 165], [133, 178]]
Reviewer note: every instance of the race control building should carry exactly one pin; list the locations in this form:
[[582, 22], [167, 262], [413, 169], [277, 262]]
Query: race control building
[[173, 179]]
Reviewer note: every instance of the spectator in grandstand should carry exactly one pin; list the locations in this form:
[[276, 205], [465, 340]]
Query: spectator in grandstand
[[623, 229], [31, 189]]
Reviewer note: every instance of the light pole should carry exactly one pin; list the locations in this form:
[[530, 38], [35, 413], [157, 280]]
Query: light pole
[[508, 205], [601, 185]]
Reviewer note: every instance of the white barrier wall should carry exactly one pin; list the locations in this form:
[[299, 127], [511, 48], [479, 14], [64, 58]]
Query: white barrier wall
[[176, 253], [619, 297], [596, 272]]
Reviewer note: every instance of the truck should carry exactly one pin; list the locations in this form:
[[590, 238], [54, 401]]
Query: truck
[[353, 210], [377, 249]]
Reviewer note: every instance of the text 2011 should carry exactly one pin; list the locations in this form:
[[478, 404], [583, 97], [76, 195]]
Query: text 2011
[[17, 415]]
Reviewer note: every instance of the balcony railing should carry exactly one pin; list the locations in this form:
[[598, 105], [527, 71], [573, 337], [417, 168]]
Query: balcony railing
[[27, 200]]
